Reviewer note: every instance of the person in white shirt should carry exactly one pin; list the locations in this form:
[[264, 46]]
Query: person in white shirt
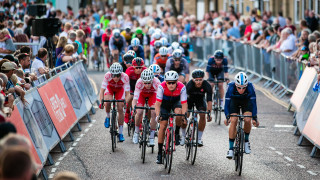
[[66, 29], [38, 66]]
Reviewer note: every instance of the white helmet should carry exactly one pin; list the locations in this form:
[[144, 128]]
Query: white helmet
[[132, 52], [163, 51], [151, 31], [157, 35], [175, 45], [115, 31], [135, 42], [147, 75], [155, 68], [97, 26], [171, 76], [116, 68], [164, 41], [177, 53], [158, 30], [241, 79]]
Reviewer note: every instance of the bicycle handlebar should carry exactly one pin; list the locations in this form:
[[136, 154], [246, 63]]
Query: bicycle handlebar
[[173, 114], [242, 116], [199, 112], [103, 101], [139, 107]]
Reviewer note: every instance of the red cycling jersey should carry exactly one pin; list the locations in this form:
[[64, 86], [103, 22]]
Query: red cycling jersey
[[179, 94], [133, 77], [158, 60], [106, 39], [117, 88], [141, 92]]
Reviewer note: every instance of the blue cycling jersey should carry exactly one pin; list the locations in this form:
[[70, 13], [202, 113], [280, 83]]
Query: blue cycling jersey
[[139, 52], [212, 66], [232, 93], [160, 77]]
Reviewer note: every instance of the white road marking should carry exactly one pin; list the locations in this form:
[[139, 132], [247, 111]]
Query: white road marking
[[289, 159], [81, 135], [70, 149], [288, 164], [78, 139], [66, 153], [57, 163], [280, 153], [312, 173], [272, 148], [93, 121], [283, 126], [53, 170], [74, 144], [51, 176], [301, 166], [61, 158], [90, 125], [86, 130]]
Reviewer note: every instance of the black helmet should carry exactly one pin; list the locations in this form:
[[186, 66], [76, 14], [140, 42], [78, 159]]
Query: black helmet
[[128, 57], [197, 73], [218, 54]]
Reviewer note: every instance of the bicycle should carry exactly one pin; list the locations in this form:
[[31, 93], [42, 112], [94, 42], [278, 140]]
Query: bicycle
[[144, 138], [238, 148], [113, 128], [111, 58], [169, 142], [100, 59], [131, 123], [192, 135], [216, 101]]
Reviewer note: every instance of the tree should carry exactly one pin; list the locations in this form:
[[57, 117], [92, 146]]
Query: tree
[[174, 8]]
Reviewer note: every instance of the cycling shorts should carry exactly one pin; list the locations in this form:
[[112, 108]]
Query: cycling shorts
[[220, 76], [167, 107], [118, 93], [200, 104], [142, 99], [246, 106]]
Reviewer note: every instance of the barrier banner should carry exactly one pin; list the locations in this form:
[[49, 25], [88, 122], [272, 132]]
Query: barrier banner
[[306, 106], [59, 106], [79, 74], [312, 128], [39, 154], [36, 116], [79, 105], [302, 88]]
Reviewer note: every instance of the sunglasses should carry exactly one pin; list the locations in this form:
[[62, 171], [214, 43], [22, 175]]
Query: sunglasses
[[128, 62], [163, 55], [135, 46], [171, 82], [198, 80], [137, 67], [177, 60], [116, 75], [147, 83], [241, 87]]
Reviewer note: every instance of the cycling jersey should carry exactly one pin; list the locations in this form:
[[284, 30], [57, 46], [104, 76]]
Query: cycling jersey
[[133, 77], [196, 96], [187, 49], [158, 60], [170, 49], [160, 77], [106, 39], [97, 38], [119, 45], [213, 68], [179, 94], [116, 88], [183, 68], [247, 100], [127, 36], [139, 52], [143, 39], [141, 92]]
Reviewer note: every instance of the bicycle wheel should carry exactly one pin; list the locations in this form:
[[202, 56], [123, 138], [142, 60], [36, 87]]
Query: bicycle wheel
[[194, 146], [236, 151], [170, 150], [113, 131], [102, 60], [144, 142], [218, 108], [241, 152], [188, 141], [165, 148], [215, 107]]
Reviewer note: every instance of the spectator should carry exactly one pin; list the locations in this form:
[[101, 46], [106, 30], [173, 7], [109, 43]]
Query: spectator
[[38, 65], [289, 25], [61, 44], [66, 30], [233, 33], [66, 56], [72, 36], [312, 21], [281, 19], [66, 175], [80, 35], [303, 25], [6, 47], [19, 36], [248, 30], [24, 61], [287, 47]]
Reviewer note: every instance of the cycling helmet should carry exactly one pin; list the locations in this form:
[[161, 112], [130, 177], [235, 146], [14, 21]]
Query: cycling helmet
[[97, 26], [128, 57], [138, 61], [175, 45], [147, 75], [218, 54], [116, 33], [158, 30], [157, 44], [132, 52], [241, 79], [139, 31], [197, 73], [116, 68], [163, 51], [108, 29], [151, 31], [164, 41], [171, 76], [135, 42], [128, 29], [177, 53], [184, 39], [155, 68], [157, 35]]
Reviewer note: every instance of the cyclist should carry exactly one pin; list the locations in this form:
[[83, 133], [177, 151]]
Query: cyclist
[[141, 36], [197, 89], [174, 46], [96, 42], [117, 44], [127, 61], [218, 67], [161, 58], [105, 43], [240, 93], [155, 45], [157, 72], [179, 64], [127, 34], [164, 42], [171, 96], [146, 87], [134, 73], [132, 53], [137, 48], [116, 83], [187, 48]]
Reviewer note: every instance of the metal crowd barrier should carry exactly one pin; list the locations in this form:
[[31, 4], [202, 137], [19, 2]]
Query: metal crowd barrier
[[279, 73]]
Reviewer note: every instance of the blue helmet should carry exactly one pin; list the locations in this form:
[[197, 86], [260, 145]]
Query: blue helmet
[[218, 54]]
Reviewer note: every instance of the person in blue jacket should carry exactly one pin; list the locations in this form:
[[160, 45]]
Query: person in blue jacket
[[240, 95], [155, 68], [136, 47]]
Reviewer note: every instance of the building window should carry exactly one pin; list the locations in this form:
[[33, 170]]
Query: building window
[[241, 6], [136, 2], [297, 5], [149, 2], [160, 2], [126, 2], [317, 5]]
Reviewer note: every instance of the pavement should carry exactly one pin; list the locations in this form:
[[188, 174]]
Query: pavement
[[275, 153]]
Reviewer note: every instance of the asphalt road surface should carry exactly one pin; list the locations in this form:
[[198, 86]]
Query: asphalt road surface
[[275, 153]]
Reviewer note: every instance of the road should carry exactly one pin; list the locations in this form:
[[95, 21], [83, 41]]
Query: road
[[275, 153]]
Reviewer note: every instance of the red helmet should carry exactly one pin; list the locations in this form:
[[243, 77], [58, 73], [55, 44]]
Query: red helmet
[[138, 61]]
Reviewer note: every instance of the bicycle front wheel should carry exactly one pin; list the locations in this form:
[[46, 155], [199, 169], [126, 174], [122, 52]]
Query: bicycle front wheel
[[113, 131], [170, 149], [144, 142], [188, 141], [194, 141], [166, 148], [241, 152]]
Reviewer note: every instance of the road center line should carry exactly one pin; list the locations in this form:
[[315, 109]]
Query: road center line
[[86, 130], [283, 126], [301, 166], [61, 158], [51, 176], [78, 139], [312, 173], [90, 125], [53, 170], [74, 144], [272, 148], [57, 163], [278, 152], [289, 159]]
